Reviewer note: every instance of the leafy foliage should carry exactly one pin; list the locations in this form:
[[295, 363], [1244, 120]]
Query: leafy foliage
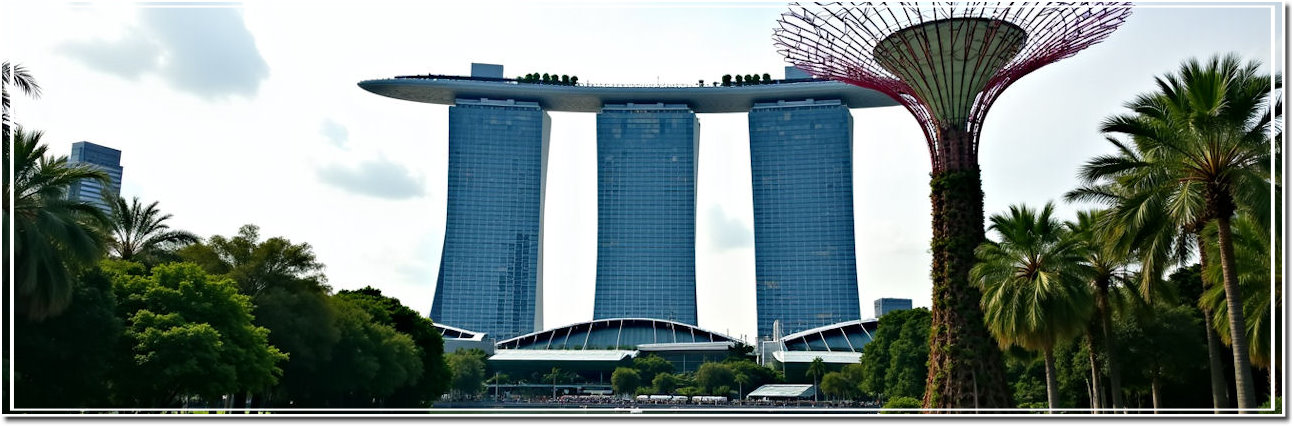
[[625, 380], [902, 405], [65, 360], [54, 237], [257, 265], [427, 340], [894, 362], [711, 375], [467, 370], [189, 334]]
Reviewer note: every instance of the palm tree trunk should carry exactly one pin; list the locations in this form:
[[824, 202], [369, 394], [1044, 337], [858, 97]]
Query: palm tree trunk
[[965, 367], [1103, 312], [1235, 316], [1053, 397], [1154, 391], [1216, 374], [1216, 371], [1096, 370]]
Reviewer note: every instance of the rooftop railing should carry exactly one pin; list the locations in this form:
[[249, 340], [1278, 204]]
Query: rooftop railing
[[617, 85]]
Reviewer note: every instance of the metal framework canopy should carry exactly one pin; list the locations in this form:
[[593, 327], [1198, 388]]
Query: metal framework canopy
[[945, 62]]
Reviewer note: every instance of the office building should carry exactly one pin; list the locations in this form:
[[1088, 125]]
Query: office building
[[490, 269], [885, 305], [646, 264], [104, 159], [802, 189]]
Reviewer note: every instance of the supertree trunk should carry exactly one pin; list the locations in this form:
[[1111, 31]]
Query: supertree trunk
[[947, 64], [966, 368]]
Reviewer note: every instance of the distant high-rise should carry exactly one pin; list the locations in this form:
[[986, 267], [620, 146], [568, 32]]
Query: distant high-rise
[[104, 159], [802, 188], [646, 265], [886, 305], [490, 270]]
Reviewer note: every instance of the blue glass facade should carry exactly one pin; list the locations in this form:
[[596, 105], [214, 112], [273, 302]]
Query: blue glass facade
[[104, 159], [490, 267], [802, 187], [646, 265]]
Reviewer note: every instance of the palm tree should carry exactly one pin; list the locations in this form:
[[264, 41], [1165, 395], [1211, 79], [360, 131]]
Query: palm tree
[[17, 76], [742, 380], [1206, 131], [816, 368], [1104, 266], [1253, 260], [554, 375], [53, 236], [1033, 285], [140, 231], [1158, 226]]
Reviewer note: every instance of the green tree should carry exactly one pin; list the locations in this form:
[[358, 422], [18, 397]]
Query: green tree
[[1158, 347], [256, 265], [467, 371], [1155, 222], [817, 368], [1252, 241], [739, 351], [304, 324], [768, 78], [665, 383], [188, 333], [65, 361], [1034, 295], [625, 380], [711, 375], [1204, 135], [652, 365], [140, 233], [17, 76], [838, 386], [894, 362], [555, 375], [276, 274], [54, 237], [1103, 265], [430, 346], [757, 375], [902, 405]]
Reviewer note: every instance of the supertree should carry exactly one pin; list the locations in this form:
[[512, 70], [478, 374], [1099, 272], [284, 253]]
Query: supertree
[[947, 63]]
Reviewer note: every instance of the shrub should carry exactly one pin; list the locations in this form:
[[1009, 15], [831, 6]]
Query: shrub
[[901, 404]]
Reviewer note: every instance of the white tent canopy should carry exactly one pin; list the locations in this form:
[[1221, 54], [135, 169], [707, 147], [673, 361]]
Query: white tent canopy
[[782, 391]]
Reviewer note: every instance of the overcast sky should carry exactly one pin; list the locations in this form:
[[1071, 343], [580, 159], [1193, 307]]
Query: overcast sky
[[250, 113]]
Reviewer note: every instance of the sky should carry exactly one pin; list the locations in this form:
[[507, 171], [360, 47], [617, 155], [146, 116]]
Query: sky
[[238, 113]]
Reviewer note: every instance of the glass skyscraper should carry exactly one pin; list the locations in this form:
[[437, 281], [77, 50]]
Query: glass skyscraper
[[104, 159], [490, 268], [802, 188], [646, 265]]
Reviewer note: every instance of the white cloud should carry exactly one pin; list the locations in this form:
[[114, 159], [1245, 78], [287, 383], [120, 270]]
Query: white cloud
[[207, 52], [379, 178], [335, 132], [726, 232]]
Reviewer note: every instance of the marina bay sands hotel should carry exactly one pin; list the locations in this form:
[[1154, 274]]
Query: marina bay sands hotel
[[801, 142]]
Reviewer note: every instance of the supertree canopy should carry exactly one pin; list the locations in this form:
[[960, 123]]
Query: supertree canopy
[[947, 63]]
